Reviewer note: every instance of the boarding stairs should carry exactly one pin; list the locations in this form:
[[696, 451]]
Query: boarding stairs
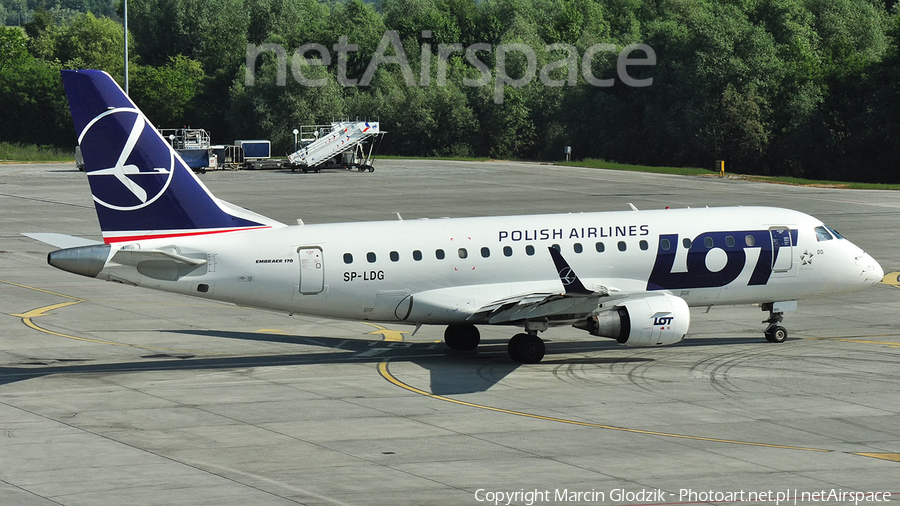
[[325, 145]]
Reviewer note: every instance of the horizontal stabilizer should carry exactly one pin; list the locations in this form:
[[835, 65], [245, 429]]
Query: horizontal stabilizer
[[60, 240]]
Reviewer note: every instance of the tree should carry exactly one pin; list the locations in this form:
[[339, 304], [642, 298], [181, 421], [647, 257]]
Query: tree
[[213, 32], [13, 47], [269, 111], [362, 26], [292, 22], [168, 92], [35, 104], [410, 17], [97, 43]]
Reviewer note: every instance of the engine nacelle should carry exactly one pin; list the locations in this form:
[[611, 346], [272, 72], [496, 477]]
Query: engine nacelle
[[649, 321]]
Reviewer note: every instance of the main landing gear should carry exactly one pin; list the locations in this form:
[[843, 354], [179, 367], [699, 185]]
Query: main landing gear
[[774, 333], [462, 336], [526, 348]]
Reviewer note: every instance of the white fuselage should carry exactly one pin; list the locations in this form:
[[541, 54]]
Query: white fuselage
[[394, 271]]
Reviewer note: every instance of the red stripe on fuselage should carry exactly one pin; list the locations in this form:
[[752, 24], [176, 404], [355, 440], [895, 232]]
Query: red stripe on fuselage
[[132, 238]]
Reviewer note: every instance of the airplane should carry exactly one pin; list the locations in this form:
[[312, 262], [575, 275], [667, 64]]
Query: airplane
[[628, 275]]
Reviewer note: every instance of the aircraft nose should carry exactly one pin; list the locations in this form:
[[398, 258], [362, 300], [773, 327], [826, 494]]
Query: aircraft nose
[[871, 270]]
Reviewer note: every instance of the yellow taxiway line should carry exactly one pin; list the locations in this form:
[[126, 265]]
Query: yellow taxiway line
[[28, 319], [384, 371]]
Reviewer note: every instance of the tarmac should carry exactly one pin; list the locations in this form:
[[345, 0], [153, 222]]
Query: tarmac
[[113, 395]]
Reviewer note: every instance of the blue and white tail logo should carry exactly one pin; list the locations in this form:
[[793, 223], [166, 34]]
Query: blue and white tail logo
[[145, 186], [141, 187]]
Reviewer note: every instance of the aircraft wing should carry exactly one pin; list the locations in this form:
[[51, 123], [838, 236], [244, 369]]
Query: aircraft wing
[[60, 240], [538, 305], [576, 302]]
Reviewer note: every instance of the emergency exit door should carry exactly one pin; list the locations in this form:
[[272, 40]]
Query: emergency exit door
[[312, 270]]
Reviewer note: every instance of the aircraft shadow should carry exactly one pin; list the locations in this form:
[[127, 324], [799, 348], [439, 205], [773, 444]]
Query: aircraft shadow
[[451, 372], [722, 341]]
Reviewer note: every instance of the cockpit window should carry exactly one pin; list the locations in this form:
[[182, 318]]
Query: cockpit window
[[822, 234], [834, 232]]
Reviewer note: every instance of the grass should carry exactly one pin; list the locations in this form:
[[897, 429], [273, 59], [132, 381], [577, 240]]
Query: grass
[[603, 164], [450, 158], [825, 184], [34, 154], [693, 171]]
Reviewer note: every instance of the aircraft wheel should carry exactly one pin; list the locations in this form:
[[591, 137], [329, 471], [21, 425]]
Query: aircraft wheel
[[776, 335], [462, 336], [526, 348]]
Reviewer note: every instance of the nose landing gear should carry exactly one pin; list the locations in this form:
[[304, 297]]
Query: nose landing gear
[[774, 333]]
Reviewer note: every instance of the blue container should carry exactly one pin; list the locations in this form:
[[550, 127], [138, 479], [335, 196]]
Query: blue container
[[255, 150]]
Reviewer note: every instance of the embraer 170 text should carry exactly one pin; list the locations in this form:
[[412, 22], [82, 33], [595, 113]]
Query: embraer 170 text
[[629, 276]]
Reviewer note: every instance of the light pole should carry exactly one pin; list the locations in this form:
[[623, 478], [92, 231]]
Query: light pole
[[295, 138], [126, 47]]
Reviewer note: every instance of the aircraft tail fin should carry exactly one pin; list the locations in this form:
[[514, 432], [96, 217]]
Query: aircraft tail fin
[[142, 188]]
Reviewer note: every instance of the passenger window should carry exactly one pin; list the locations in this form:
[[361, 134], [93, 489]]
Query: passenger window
[[600, 247], [749, 240], [507, 251], [485, 252], [708, 242], [686, 243], [578, 248], [348, 258], [729, 241], [644, 245], [665, 244], [417, 255], [822, 234], [463, 253], [556, 247], [370, 257], [622, 246], [395, 257], [439, 254], [529, 250]]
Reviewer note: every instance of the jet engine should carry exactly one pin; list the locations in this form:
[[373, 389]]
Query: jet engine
[[648, 321]]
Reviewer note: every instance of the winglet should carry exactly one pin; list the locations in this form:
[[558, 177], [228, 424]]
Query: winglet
[[567, 276]]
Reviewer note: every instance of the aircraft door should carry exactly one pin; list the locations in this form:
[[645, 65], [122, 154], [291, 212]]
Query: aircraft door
[[782, 249], [312, 270]]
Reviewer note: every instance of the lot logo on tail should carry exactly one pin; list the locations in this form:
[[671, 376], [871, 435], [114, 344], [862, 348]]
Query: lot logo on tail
[[139, 159], [567, 276]]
